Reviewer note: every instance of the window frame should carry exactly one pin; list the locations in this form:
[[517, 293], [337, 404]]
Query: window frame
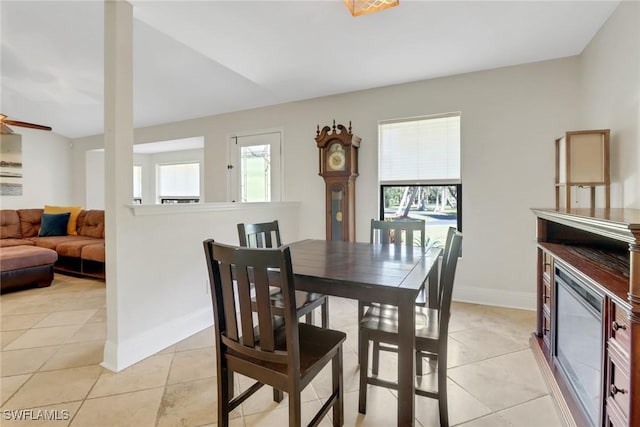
[[234, 166], [458, 198], [417, 182]]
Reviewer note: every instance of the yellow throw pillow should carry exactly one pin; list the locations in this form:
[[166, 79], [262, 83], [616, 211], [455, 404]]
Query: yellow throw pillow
[[73, 218]]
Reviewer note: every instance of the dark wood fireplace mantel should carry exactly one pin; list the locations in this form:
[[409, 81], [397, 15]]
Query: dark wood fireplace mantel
[[600, 247]]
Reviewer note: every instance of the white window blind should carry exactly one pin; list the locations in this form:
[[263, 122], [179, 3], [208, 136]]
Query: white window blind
[[179, 179], [420, 151]]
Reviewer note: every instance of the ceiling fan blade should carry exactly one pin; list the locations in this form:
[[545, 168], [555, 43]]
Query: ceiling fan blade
[[5, 130], [25, 125]]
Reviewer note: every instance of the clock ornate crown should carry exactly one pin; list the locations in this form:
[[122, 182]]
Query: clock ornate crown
[[338, 155]]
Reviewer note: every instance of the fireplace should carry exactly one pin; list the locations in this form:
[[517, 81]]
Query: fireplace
[[579, 341]]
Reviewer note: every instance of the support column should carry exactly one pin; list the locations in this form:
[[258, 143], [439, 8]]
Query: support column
[[118, 147]]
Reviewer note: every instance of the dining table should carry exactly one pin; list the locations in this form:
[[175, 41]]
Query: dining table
[[386, 274]]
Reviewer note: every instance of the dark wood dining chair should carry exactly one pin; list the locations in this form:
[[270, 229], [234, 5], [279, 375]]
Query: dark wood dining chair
[[422, 301], [406, 232], [267, 235], [273, 350], [380, 325]]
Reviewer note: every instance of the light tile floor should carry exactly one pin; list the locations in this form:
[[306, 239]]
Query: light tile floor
[[52, 338]]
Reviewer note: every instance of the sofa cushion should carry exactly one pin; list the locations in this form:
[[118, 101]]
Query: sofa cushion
[[74, 248], [53, 242], [9, 224], [17, 257], [54, 224], [92, 224], [93, 252], [80, 220], [73, 218], [30, 221], [5, 243]]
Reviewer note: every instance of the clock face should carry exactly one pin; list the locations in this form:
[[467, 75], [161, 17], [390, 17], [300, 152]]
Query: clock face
[[336, 158]]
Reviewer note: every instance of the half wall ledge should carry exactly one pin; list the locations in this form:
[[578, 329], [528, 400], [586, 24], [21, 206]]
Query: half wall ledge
[[185, 208]]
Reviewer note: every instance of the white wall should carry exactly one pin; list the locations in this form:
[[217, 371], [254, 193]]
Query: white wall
[[94, 179], [164, 297], [610, 94], [46, 167]]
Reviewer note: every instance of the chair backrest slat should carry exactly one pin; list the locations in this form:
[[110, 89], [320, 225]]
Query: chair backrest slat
[[228, 301], [244, 304], [386, 232], [265, 317]]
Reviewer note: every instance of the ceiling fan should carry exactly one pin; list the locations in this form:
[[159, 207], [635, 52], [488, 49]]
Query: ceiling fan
[[7, 130]]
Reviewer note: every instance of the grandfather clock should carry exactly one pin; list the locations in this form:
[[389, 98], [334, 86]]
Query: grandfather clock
[[339, 168]]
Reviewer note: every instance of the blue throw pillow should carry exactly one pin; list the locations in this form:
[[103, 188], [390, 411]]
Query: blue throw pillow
[[54, 224]]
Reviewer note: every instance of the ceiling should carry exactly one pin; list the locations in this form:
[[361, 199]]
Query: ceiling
[[201, 58]]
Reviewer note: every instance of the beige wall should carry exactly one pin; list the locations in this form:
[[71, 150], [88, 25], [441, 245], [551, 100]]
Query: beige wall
[[510, 117], [46, 169], [610, 93]]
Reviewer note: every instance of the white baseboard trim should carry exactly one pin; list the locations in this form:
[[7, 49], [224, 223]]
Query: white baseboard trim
[[495, 297], [118, 356]]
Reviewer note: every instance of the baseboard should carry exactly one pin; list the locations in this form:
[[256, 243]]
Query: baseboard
[[118, 356], [495, 297]]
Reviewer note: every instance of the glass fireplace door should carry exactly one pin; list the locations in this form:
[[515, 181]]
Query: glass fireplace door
[[579, 341]]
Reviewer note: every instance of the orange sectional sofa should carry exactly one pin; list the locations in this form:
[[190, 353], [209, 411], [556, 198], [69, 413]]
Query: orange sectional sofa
[[82, 254]]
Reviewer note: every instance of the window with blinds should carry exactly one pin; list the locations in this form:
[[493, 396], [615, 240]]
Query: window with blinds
[[179, 183], [423, 150], [419, 172]]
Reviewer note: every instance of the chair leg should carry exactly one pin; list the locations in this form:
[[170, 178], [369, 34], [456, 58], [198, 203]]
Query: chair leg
[[338, 386], [360, 315], [295, 411], [363, 357], [278, 395], [418, 364], [375, 358], [325, 313], [224, 397], [442, 388]]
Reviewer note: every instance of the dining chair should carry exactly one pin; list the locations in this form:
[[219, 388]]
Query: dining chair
[[422, 301], [399, 233], [267, 235], [380, 325], [273, 350]]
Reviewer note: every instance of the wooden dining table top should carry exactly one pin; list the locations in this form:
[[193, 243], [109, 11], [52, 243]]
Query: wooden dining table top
[[377, 269]]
